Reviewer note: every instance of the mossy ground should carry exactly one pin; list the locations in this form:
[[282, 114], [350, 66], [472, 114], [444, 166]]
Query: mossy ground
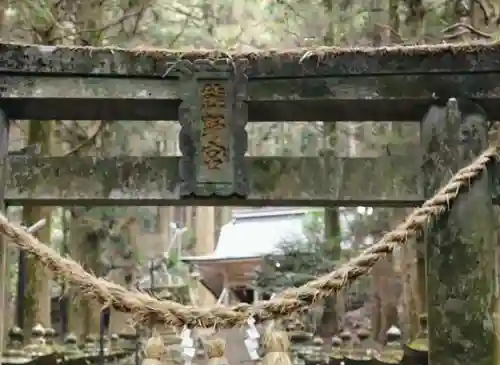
[[419, 345]]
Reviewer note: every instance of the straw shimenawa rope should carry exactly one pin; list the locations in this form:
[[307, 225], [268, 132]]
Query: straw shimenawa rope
[[276, 347], [149, 309]]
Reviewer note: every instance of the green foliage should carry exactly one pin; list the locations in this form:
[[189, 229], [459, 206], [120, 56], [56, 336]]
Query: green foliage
[[299, 261], [188, 242], [172, 260]]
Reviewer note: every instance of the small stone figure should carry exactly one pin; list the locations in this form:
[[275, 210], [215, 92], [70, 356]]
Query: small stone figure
[[38, 346], [393, 336], [90, 348], [318, 341], [346, 338], [392, 352], [15, 338], [70, 348], [362, 350], [50, 335], [106, 345], [51, 340], [14, 353], [366, 341], [335, 355], [315, 352], [336, 342], [114, 344]]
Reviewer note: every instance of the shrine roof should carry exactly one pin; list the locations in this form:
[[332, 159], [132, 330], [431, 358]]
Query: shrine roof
[[251, 235], [321, 61], [256, 234]]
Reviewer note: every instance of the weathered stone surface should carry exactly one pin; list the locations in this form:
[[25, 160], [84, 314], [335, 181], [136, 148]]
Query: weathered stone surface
[[333, 98], [4, 253], [395, 110], [89, 109], [270, 111], [460, 246], [418, 86], [421, 86], [213, 140], [313, 181], [301, 62], [40, 86]]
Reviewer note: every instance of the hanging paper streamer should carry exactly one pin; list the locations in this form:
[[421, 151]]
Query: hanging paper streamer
[[187, 346], [252, 340]]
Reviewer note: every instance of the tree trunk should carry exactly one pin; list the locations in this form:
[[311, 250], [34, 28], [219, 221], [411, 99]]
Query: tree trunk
[[415, 19], [329, 321], [394, 22], [84, 244], [410, 298], [385, 299], [37, 289], [385, 281], [126, 274], [329, 324], [83, 314]]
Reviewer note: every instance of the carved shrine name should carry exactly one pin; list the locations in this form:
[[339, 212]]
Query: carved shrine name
[[214, 133]]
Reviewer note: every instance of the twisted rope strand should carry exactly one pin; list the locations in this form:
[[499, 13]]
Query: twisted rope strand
[[147, 308]]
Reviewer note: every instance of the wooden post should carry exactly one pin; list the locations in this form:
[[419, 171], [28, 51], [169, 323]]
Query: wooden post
[[4, 267], [256, 295], [205, 245], [460, 246]]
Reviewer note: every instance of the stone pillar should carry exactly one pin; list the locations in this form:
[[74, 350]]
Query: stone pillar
[[4, 252], [460, 245]]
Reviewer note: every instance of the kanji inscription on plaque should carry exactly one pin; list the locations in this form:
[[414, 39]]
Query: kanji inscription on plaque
[[215, 134], [213, 140]]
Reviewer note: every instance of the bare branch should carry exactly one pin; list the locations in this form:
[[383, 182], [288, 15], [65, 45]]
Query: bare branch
[[90, 140], [178, 35]]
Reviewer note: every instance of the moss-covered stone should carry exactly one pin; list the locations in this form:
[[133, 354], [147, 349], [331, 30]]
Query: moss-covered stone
[[70, 348], [335, 352], [460, 263], [114, 344], [14, 353], [51, 338], [37, 346], [421, 342], [90, 347], [156, 180], [393, 352], [284, 63]]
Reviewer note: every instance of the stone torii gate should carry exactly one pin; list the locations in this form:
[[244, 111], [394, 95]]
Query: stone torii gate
[[214, 95]]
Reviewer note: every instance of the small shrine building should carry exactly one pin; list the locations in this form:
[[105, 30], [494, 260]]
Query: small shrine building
[[228, 272]]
